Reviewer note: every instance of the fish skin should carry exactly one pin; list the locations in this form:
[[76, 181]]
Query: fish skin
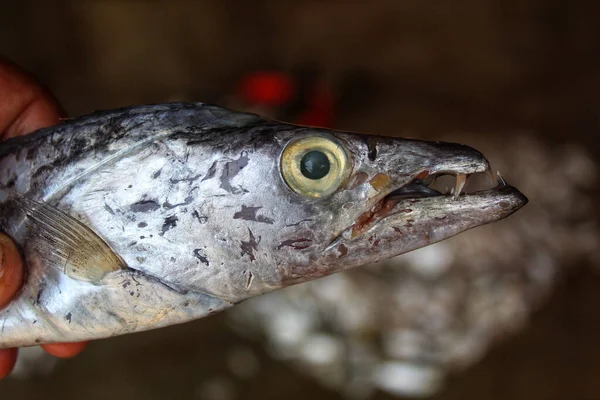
[[190, 198]]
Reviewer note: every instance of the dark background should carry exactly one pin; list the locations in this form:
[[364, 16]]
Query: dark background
[[396, 66]]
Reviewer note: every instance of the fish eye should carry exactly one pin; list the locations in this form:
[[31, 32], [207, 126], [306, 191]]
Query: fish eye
[[315, 166]]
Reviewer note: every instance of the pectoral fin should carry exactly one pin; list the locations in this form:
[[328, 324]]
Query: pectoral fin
[[68, 244]]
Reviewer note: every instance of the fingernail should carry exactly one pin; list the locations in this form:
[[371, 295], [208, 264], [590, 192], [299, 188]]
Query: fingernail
[[2, 252], [11, 270]]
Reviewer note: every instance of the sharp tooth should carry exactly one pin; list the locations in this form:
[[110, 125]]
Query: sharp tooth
[[460, 184], [501, 181]]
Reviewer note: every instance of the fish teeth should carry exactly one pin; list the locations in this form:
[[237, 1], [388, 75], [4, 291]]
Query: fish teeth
[[501, 181], [461, 180]]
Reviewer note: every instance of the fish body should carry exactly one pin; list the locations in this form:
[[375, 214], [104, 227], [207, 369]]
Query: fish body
[[149, 216]]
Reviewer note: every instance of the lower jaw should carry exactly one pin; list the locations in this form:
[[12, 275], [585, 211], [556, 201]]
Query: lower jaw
[[484, 206]]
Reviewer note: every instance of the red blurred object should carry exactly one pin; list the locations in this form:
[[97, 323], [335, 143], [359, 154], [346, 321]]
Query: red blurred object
[[293, 98], [267, 88], [320, 108]]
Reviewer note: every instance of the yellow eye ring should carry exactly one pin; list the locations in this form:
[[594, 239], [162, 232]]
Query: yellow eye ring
[[315, 166]]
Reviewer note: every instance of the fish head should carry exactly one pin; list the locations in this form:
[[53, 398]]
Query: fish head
[[341, 200]]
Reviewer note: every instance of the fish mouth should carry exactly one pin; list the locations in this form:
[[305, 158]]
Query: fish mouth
[[440, 188], [433, 207]]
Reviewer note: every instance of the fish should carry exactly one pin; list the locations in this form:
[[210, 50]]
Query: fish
[[149, 216]]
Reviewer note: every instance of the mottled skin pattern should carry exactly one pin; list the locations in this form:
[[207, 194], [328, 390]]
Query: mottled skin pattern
[[192, 199]]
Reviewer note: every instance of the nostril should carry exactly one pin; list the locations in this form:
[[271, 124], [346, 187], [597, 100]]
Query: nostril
[[372, 149]]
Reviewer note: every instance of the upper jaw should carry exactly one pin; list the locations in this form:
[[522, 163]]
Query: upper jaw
[[418, 161]]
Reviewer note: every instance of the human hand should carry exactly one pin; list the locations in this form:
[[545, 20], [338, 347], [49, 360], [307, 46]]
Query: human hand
[[24, 107]]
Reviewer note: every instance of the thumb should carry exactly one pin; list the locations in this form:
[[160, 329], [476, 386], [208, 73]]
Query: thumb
[[11, 270], [25, 105]]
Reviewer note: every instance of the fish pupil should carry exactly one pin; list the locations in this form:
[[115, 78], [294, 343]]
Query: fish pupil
[[315, 165]]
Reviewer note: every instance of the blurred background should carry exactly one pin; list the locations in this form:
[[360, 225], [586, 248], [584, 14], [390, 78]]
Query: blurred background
[[506, 311]]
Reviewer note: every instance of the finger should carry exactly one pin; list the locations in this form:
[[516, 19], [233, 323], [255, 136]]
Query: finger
[[65, 350], [11, 279], [11, 270], [25, 105], [8, 358]]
